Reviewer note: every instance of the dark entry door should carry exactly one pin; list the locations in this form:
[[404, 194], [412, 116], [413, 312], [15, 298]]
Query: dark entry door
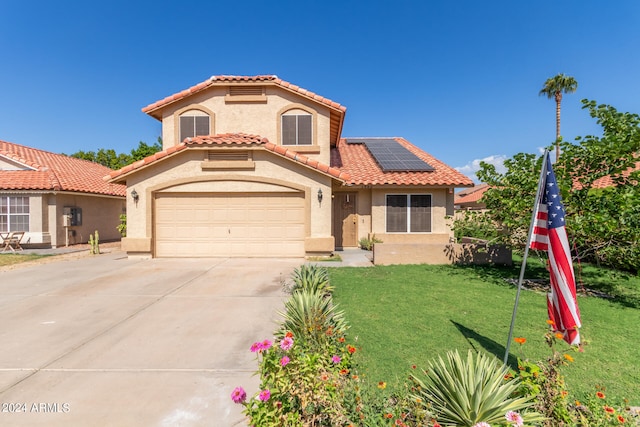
[[345, 223]]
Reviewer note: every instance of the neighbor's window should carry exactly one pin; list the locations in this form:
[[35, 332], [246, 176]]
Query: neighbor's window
[[408, 213], [14, 213], [194, 123], [296, 128]]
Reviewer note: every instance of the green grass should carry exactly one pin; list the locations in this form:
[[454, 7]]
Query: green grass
[[11, 258], [406, 315]]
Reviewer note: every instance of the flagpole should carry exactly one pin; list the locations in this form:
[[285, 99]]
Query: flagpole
[[526, 253]]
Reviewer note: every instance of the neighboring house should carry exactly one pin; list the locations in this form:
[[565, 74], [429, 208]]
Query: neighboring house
[[56, 199], [469, 199], [256, 166]]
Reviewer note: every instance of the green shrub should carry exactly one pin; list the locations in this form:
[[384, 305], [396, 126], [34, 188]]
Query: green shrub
[[367, 243], [313, 318], [467, 392], [122, 227], [310, 278], [475, 224]]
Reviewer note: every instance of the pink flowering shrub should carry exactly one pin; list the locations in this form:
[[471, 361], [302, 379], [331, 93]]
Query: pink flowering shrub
[[297, 385]]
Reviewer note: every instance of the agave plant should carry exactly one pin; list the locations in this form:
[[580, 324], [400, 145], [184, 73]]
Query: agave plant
[[308, 315], [311, 277], [467, 392]]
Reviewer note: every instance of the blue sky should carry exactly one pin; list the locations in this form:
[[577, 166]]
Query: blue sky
[[460, 79]]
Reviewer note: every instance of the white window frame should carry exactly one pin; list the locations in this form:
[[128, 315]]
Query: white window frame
[[408, 196], [297, 132], [8, 202], [195, 126]]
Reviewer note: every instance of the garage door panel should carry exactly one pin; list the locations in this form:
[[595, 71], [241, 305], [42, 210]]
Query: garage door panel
[[255, 225]]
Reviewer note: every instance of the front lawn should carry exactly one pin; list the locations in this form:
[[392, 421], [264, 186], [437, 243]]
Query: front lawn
[[407, 315], [11, 258]]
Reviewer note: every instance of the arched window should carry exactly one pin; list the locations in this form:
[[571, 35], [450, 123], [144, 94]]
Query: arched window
[[194, 123], [297, 127]]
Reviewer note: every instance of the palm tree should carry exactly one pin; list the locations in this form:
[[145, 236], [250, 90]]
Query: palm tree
[[554, 87]]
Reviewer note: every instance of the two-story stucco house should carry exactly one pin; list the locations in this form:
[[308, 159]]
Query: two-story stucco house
[[256, 166]]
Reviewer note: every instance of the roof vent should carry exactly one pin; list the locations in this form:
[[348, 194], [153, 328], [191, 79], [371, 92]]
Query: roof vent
[[246, 90]]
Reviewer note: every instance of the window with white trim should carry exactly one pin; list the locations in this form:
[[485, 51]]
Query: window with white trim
[[408, 213], [14, 213], [297, 128], [194, 123]]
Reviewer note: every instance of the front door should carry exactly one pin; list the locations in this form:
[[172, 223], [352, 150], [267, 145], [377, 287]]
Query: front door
[[345, 220]]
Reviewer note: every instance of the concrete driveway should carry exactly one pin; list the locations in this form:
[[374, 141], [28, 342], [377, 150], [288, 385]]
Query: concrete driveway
[[107, 341]]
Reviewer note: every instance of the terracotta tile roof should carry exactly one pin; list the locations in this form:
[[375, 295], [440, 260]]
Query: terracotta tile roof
[[471, 195], [225, 80], [355, 160], [607, 181], [229, 139], [45, 171]]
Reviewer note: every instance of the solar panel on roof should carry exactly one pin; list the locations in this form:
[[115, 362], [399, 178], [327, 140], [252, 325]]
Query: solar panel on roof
[[391, 156]]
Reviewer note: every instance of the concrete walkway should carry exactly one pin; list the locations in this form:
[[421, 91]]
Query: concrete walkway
[[351, 257], [107, 341]]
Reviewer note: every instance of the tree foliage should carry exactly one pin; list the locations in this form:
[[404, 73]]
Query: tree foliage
[[110, 159], [602, 223]]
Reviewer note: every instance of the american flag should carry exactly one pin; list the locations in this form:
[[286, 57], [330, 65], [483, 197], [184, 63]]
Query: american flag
[[549, 234]]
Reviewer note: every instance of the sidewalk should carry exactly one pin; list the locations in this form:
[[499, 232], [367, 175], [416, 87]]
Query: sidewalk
[[351, 257], [106, 247]]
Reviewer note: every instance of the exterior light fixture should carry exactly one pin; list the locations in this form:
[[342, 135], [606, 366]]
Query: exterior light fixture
[[135, 196], [320, 195]]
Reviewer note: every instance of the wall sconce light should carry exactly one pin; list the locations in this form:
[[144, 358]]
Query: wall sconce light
[[320, 195], [135, 196]]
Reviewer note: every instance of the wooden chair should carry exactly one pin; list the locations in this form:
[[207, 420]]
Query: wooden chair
[[12, 241]]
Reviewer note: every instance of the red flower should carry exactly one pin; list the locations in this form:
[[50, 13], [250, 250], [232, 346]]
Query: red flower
[[388, 415], [520, 340], [289, 335], [351, 349], [341, 339], [600, 395], [609, 409], [621, 419]]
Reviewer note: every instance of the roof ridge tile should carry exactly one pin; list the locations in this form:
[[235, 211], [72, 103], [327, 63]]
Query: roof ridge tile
[[231, 78]]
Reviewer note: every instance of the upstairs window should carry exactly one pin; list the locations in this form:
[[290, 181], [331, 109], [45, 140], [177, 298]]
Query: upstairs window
[[14, 213], [408, 213], [297, 128], [194, 123]]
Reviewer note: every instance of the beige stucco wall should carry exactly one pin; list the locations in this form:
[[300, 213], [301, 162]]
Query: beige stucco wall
[[257, 118], [46, 229], [184, 172], [432, 253], [9, 165], [371, 211], [98, 213]]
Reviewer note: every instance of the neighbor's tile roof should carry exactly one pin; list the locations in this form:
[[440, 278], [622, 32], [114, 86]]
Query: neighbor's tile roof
[[228, 139], [607, 181], [471, 195], [357, 162], [225, 80], [45, 171]]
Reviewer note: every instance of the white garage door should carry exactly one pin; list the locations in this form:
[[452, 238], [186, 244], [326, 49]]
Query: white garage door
[[229, 225]]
